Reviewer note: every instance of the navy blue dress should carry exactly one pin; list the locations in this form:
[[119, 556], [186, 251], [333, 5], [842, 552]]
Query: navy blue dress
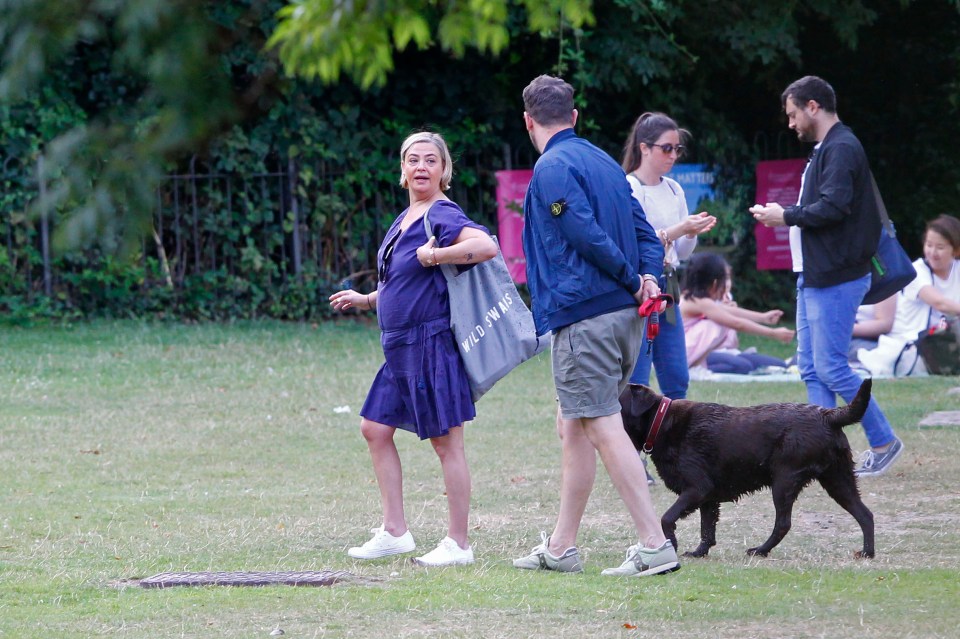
[[422, 386]]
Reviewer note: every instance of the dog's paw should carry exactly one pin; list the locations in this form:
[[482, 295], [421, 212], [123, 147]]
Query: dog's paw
[[757, 552], [699, 551], [860, 554]]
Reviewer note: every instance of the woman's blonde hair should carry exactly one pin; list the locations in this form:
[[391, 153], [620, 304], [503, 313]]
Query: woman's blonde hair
[[436, 140]]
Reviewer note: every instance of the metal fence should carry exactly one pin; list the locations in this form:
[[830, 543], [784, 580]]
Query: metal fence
[[209, 221]]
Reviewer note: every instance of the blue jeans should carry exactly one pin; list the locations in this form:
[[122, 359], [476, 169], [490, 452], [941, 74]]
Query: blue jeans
[[825, 318], [669, 356], [742, 364]]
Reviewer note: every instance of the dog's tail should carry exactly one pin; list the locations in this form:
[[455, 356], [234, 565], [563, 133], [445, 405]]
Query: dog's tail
[[852, 412]]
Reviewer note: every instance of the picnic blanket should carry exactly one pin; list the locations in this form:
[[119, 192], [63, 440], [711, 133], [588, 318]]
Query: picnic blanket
[[700, 373]]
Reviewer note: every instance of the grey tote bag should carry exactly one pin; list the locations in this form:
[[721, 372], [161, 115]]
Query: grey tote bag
[[494, 329]]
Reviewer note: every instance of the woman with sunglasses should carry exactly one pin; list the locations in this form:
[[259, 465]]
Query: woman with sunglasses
[[422, 387], [655, 143]]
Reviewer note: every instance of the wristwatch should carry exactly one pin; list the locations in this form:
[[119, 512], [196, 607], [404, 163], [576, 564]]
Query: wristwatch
[[646, 276]]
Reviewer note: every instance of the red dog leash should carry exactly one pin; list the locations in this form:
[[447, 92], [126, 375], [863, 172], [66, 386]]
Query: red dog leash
[[650, 310], [657, 421]]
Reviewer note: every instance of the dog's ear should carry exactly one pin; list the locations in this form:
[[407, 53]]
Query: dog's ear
[[642, 399], [636, 402]]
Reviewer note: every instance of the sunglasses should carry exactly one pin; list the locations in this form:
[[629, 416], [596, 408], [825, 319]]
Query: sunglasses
[[387, 255], [670, 148]]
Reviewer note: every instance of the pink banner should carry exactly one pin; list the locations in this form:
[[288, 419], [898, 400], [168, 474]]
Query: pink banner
[[511, 189], [777, 181]]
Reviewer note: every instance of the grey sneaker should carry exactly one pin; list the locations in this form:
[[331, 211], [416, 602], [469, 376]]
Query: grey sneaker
[[540, 558], [647, 561], [873, 464]]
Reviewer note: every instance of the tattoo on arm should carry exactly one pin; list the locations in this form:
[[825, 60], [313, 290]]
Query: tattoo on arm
[[468, 257]]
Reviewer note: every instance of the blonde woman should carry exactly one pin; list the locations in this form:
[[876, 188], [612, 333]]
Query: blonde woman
[[422, 387]]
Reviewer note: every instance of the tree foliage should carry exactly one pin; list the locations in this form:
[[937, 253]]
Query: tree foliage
[[117, 96], [152, 87], [322, 38]]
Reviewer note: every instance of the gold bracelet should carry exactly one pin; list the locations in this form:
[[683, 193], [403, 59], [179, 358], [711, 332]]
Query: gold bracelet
[[433, 256], [369, 303]]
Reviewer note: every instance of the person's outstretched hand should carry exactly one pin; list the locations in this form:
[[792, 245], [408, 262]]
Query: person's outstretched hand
[[343, 300], [784, 335], [702, 222], [769, 215], [772, 317]]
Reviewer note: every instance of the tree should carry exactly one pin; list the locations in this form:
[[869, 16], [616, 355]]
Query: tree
[[165, 89], [117, 93], [156, 91], [322, 38]]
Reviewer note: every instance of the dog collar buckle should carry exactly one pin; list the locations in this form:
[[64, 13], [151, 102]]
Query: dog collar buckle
[[655, 427]]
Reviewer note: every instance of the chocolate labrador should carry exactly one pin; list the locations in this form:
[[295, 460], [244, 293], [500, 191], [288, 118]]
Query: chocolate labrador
[[711, 453]]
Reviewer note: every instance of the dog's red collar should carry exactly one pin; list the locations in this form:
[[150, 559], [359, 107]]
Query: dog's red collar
[[655, 427]]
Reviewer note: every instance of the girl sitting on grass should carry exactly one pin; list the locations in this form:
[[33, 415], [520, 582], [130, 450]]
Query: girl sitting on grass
[[711, 321]]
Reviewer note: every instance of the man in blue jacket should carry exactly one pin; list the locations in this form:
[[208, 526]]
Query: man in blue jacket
[[834, 231], [591, 259]]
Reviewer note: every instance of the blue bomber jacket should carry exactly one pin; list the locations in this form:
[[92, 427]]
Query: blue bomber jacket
[[586, 239]]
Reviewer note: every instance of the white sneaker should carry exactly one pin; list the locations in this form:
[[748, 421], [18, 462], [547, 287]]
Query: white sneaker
[[383, 544], [447, 553]]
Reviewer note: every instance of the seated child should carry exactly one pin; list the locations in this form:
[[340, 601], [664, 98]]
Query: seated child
[[711, 320]]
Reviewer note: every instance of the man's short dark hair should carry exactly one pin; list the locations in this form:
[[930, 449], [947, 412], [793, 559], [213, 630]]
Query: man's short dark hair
[[549, 101], [808, 88]]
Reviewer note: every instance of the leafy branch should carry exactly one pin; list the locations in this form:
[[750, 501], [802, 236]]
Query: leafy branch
[[326, 38]]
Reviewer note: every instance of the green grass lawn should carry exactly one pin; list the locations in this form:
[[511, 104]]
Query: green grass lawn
[[130, 449]]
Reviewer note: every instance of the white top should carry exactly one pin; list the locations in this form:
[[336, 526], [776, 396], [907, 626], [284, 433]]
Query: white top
[[796, 249], [910, 320], [912, 312], [665, 205], [865, 313]]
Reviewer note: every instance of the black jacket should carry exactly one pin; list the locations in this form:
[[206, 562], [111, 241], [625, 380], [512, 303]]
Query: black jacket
[[837, 212]]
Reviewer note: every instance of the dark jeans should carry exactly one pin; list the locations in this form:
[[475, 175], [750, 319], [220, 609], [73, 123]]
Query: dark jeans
[[741, 364]]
